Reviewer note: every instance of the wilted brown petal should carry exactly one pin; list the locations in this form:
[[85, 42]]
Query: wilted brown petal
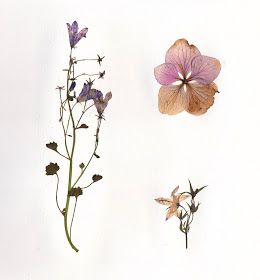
[[172, 99], [181, 53], [201, 97], [164, 201]]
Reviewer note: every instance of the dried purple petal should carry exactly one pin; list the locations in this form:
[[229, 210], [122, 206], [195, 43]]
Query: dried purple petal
[[74, 35], [101, 103]]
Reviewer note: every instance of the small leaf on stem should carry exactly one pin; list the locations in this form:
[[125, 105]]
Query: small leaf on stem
[[96, 177], [52, 168], [82, 126], [82, 165], [52, 145]]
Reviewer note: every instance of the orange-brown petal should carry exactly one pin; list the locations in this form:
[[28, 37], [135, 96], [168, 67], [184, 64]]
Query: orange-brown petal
[[170, 212], [182, 197], [201, 97], [174, 191], [164, 201], [172, 99]]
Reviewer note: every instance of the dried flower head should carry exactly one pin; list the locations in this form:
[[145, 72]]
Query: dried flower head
[[187, 80], [172, 202], [184, 212]]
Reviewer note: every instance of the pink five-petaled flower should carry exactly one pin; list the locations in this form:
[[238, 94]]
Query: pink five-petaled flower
[[101, 103], [172, 202], [187, 80], [74, 35]]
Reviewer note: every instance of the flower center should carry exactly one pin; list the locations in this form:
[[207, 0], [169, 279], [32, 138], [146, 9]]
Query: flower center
[[184, 80]]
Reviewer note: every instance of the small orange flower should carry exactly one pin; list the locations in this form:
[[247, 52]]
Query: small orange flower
[[172, 202]]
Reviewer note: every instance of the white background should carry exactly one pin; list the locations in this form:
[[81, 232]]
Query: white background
[[120, 231]]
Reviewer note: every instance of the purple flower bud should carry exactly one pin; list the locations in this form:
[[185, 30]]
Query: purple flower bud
[[74, 35], [72, 86]]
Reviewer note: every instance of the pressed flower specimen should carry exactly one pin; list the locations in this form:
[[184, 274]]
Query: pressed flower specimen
[[183, 211], [187, 80], [77, 98]]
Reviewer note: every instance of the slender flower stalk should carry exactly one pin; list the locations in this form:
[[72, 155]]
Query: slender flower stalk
[[71, 122]]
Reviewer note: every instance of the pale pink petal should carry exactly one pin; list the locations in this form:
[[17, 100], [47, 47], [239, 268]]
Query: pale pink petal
[[171, 211], [172, 99], [174, 191], [181, 53], [163, 201], [166, 74], [204, 69], [200, 98]]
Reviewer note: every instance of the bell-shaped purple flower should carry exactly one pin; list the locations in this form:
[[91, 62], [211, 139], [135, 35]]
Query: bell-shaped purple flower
[[83, 96], [87, 93], [101, 103], [74, 35]]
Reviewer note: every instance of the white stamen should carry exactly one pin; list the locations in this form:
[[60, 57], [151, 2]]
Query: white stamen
[[177, 83], [185, 88], [180, 75], [188, 75]]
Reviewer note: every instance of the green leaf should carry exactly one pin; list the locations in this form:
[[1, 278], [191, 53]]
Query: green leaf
[[52, 168], [52, 145]]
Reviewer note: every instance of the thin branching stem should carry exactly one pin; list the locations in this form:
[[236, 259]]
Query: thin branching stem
[[57, 188], [85, 74], [62, 108], [88, 185], [83, 112], [93, 153]]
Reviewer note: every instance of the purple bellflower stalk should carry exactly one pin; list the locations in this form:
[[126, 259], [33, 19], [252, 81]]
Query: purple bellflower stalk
[[71, 122], [74, 35]]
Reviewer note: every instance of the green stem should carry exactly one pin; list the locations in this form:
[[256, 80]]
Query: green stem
[[71, 163]]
